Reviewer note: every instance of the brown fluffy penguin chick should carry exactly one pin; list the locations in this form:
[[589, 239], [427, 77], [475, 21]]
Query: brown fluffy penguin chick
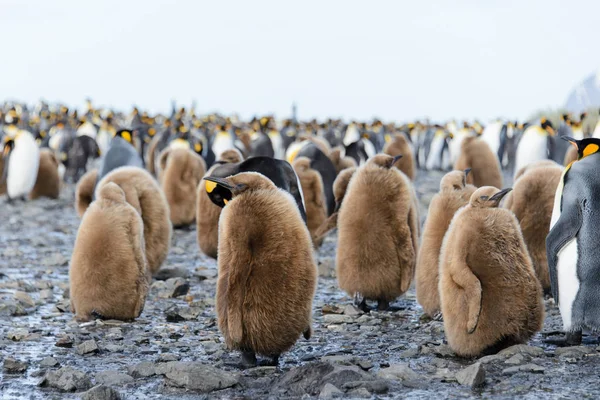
[[314, 196], [47, 183], [377, 233], [144, 194], [208, 213], [490, 296], [532, 202], [485, 167], [182, 172], [399, 145], [340, 163], [108, 276], [84, 191], [340, 185], [454, 193], [267, 275], [570, 156]]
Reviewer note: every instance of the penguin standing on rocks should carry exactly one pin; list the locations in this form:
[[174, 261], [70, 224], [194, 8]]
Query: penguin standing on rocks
[[314, 196], [572, 244], [490, 296], [120, 153], [267, 275], [400, 146], [535, 144], [454, 193], [21, 156], [108, 276], [484, 164], [532, 201], [208, 212], [377, 233]]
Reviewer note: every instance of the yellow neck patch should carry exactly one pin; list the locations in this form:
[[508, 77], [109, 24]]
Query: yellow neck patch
[[210, 186], [151, 131], [388, 138], [590, 149], [126, 136], [197, 147]]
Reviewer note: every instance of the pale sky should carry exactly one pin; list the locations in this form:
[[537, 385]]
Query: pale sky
[[396, 60]]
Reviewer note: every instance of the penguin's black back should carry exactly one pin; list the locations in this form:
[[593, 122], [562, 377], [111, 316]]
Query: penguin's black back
[[119, 154], [324, 165], [262, 146]]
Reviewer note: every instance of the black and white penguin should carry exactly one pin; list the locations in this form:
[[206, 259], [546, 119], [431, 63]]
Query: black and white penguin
[[535, 144], [439, 152], [572, 244], [121, 152], [21, 156], [279, 171], [222, 140]]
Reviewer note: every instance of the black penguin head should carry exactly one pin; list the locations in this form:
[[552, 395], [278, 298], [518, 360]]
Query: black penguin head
[[125, 134], [547, 126], [222, 190], [585, 147]]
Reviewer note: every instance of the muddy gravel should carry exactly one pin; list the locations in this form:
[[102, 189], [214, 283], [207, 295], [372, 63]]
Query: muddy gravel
[[174, 350]]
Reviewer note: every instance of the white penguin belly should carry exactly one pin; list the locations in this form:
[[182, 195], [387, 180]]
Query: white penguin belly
[[277, 143], [221, 144], [22, 168], [435, 153], [568, 282], [532, 148]]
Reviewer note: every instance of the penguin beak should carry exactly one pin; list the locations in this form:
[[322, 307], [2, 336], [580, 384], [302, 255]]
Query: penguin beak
[[395, 160], [570, 140], [217, 181], [498, 196], [467, 172]]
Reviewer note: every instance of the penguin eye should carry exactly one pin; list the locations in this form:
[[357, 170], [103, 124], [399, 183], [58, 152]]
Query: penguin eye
[[484, 198]]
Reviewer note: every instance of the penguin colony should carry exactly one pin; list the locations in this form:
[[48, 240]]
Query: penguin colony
[[264, 194]]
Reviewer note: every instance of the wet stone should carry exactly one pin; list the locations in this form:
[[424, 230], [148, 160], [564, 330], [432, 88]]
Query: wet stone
[[49, 362], [517, 359], [101, 392], [472, 376], [398, 372], [67, 379], [196, 376], [87, 347], [330, 392], [13, 366], [532, 368], [112, 378], [24, 299], [142, 370], [352, 311], [17, 334], [115, 334], [64, 341], [337, 319], [174, 272], [523, 349]]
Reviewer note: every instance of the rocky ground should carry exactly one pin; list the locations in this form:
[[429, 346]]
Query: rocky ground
[[174, 350]]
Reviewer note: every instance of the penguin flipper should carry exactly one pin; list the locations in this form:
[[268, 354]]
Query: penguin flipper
[[471, 285], [565, 229]]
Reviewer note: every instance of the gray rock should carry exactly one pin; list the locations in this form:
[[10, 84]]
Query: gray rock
[[142, 370], [524, 368], [398, 372], [89, 346], [67, 379], [17, 334], [183, 313], [24, 299], [516, 359], [573, 351], [196, 376], [171, 272], [46, 294], [112, 378], [379, 386], [173, 287], [522, 349], [365, 364], [13, 366], [55, 259], [352, 311], [442, 350], [205, 273], [49, 362], [339, 359], [330, 392], [410, 353], [64, 341], [472, 376], [326, 267], [360, 393], [101, 392], [165, 357], [337, 319], [115, 334], [491, 359], [343, 374], [310, 378]]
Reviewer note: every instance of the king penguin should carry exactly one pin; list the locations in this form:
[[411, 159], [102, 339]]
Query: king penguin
[[21, 161], [535, 144], [572, 244], [120, 153]]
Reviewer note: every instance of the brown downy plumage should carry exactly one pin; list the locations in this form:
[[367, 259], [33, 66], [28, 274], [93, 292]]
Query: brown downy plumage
[[108, 276], [484, 164], [152, 155], [532, 202], [84, 191], [208, 213], [47, 183], [377, 233], [183, 170], [570, 156], [340, 185], [400, 146], [490, 296], [454, 193], [144, 194], [340, 163], [314, 196], [267, 275]]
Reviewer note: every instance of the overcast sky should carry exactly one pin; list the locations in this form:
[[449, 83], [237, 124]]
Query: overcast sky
[[397, 60]]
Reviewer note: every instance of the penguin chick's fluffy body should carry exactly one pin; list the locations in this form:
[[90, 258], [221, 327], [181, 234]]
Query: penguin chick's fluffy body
[[47, 183], [314, 196], [377, 232], [183, 170], [340, 162], [267, 275], [399, 145], [144, 194], [489, 294], [208, 213], [485, 167], [532, 201], [108, 274], [454, 193], [84, 191]]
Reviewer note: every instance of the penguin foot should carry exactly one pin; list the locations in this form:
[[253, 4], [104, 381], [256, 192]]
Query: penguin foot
[[308, 333], [248, 359], [363, 306], [383, 305], [570, 339], [273, 362]]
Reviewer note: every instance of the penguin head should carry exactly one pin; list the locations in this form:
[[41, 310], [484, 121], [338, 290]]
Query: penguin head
[[222, 190], [487, 197], [454, 180], [585, 147], [383, 160], [231, 156], [547, 126], [125, 134]]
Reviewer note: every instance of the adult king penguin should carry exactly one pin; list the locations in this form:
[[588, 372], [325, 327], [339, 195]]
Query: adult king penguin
[[572, 244], [21, 161]]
